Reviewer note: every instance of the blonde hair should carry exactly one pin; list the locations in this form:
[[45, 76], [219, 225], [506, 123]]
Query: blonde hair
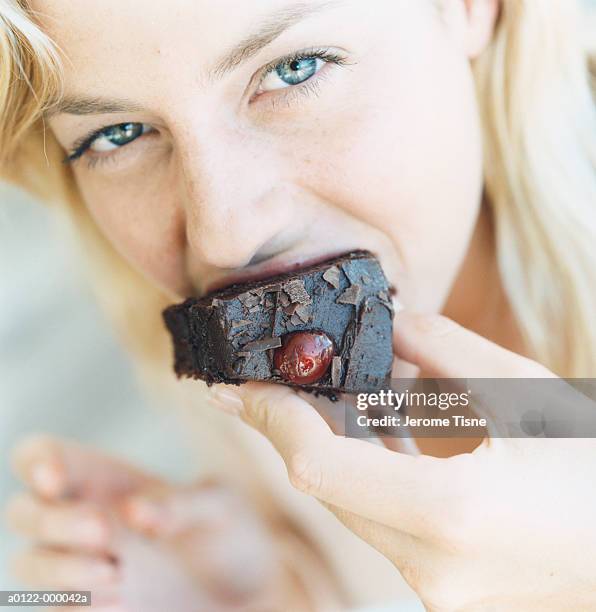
[[539, 118]]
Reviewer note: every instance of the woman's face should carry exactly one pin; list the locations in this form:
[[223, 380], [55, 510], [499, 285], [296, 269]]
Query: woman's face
[[239, 139]]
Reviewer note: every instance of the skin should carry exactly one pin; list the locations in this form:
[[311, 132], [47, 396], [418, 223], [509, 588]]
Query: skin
[[239, 177]]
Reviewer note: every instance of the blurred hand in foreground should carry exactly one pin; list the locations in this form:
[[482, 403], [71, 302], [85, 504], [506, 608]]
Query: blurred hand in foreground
[[136, 541]]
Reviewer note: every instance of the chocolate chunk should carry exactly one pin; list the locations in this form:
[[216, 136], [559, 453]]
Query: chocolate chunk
[[241, 323], [231, 336], [331, 275], [264, 344], [291, 309], [368, 361], [304, 312], [250, 300], [297, 292], [336, 372], [350, 296], [354, 273], [284, 300]]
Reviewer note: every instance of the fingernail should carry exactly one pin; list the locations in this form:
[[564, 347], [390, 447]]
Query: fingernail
[[225, 399], [47, 479]]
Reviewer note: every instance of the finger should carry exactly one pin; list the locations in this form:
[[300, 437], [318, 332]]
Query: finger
[[69, 525], [374, 482], [53, 468], [172, 510], [46, 568], [332, 412], [444, 349]]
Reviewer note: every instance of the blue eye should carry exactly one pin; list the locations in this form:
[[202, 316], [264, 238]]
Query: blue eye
[[297, 71], [291, 72], [108, 138], [116, 136]]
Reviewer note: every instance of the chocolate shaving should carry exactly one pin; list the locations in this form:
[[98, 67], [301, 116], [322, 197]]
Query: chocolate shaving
[[283, 298], [250, 300], [240, 323], [331, 275], [262, 345], [304, 312], [291, 309], [273, 288], [295, 320], [336, 371], [353, 275], [254, 309], [350, 296], [297, 292]]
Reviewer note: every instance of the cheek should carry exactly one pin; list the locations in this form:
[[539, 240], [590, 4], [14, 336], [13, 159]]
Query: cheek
[[143, 222], [407, 159]]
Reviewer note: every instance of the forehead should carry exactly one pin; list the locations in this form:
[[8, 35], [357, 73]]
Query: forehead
[[113, 43]]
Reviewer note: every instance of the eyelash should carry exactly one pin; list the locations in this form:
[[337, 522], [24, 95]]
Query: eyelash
[[81, 145]]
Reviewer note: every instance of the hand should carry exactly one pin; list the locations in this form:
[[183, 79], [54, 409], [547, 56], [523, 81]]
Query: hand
[[136, 541], [508, 527]]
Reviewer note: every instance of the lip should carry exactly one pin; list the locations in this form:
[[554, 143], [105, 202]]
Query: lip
[[269, 269]]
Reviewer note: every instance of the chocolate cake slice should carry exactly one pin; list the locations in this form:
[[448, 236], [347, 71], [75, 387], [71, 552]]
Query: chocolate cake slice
[[325, 328]]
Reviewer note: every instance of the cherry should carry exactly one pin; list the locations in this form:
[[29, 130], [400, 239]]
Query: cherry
[[304, 357]]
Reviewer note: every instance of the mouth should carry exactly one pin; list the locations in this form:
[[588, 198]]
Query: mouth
[[272, 267]]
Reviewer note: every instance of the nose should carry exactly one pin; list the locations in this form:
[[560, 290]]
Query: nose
[[237, 203]]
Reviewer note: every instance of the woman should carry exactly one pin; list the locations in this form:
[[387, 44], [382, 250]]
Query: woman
[[208, 141]]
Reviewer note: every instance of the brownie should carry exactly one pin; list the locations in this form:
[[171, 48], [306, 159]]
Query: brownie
[[326, 328]]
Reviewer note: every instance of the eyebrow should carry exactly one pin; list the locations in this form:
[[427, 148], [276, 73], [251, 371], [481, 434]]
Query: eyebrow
[[273, 27]]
